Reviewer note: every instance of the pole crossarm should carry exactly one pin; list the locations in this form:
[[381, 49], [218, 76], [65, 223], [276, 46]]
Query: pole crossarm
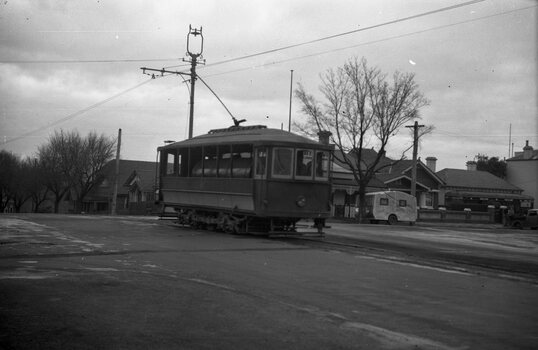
[[162, 71]]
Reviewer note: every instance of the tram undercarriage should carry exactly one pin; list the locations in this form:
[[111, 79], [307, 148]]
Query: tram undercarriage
[[237, 223]]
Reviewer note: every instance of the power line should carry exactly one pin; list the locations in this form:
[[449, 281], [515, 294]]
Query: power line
[[90, 61], [344, 33], [368, 42], [76, 114]]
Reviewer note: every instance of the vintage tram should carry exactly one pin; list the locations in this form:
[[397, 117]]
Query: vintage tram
[[246, 179]]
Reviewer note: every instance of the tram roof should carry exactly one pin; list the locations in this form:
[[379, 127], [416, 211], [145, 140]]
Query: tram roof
[[256, 134]]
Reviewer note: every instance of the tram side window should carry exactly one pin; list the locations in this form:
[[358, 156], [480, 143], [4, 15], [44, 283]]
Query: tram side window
[[261, 162], [210, 161], [196, 162], [183, 162], [322, 165], [242, 161], [303, 164], [168, 162], [225, 162], [282, 162]]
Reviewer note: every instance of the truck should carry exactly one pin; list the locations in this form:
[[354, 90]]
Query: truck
[[391, 207], [528, 220]]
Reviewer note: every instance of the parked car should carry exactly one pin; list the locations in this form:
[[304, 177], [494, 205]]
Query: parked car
[[528, 220]]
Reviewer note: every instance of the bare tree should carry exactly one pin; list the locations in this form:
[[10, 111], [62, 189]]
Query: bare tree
[[97, 150], [72, 164], [362, 109], [8, 177], [58, 158], [35, 183]]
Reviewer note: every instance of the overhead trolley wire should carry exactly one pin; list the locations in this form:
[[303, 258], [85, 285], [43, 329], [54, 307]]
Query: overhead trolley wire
[[93, 61], [343, 34]]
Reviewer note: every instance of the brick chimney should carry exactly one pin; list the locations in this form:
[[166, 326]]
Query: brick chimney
[[431, 162], [324, 137], [471, 165], [527, 151]]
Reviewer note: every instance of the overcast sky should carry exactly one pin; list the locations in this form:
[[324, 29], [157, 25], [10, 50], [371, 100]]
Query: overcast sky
[[75, 65]]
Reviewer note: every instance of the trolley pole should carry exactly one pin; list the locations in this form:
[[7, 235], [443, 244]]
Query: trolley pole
[[194, 59]]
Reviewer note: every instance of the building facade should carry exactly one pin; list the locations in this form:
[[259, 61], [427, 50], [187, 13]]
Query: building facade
[[522, 171], [135, 189]]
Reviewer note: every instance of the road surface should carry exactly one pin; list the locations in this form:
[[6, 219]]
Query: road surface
[[86, 282]]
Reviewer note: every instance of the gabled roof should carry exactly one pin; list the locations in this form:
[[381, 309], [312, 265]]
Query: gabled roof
[[128, 170], [401, 167], [368, 156], [474, 179]]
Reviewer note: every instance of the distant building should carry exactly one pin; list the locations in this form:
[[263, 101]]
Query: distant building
[[136, 189], [522, 171], [476, 190]]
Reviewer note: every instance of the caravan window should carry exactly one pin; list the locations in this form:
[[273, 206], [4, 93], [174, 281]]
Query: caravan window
[[383, 201], [402, 203]]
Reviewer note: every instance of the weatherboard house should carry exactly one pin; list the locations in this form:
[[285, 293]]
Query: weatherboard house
[[390, 175], [136, 189]]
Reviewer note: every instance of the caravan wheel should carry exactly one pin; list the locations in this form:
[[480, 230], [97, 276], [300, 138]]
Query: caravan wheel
[[393, 219]]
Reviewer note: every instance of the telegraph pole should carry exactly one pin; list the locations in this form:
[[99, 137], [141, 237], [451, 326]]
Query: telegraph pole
[[291, 95], [116, 178], [194, 59], [415, 151]]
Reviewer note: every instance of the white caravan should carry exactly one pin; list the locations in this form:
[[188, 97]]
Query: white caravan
[[391, 206]]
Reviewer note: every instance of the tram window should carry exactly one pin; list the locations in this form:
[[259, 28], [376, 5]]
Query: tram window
[[242, 161], [303, 165], [225, 163], [183, 162], [322, 165], [261, 162], [210, 161], [282, 162], [196, 162], [169, 162]]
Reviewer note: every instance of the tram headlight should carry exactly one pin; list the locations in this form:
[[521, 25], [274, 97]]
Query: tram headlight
[[300, 201]]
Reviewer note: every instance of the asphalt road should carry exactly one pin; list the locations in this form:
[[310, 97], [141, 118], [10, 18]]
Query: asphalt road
[[86, 282]]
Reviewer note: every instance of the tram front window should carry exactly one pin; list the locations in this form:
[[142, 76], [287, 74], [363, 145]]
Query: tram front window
[[303, 166], [261, 162], [282, 162], [322, 165]]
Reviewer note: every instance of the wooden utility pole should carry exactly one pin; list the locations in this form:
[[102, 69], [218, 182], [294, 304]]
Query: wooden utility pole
[[415, 127], [117, 175], [291, 94]]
